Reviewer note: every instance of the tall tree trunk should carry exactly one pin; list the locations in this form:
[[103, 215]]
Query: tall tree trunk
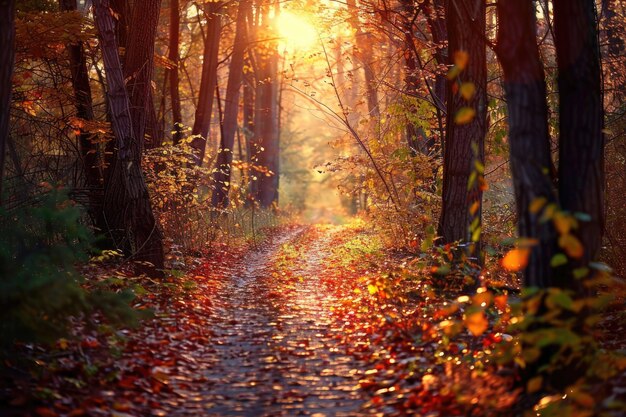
[[435, 11], [7, 62], [222, 176], [174, 57], [529, 138], [139, 67], [208, 82], [127, 204], [90, 152], [415, 135], [436, 18], [266, 140], [122, 12], [364, 55], [581, 118], [464, 143], [153, 137]]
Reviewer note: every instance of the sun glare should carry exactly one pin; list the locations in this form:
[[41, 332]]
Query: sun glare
[[296, 32]]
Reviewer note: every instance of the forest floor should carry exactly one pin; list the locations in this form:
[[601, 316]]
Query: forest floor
[[301, 325]]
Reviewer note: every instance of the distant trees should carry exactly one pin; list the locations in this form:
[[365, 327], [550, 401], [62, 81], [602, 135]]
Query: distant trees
[[389, 59], [174, 57], [265, 141], [222, 176], [208, 81]]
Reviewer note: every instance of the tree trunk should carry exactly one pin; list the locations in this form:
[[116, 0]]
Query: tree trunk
[[138, 69], [364, 55], [222, 176], [153, 137], [464, 143], [90, 152], [436, 19], [174, 57], [208, 82], [127, 205], [7, 62], [581, 117], [415, 135], [529, 139], [122, 11], [266, 141]]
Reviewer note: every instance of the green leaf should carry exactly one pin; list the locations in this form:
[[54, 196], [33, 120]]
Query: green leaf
[[558, 260]]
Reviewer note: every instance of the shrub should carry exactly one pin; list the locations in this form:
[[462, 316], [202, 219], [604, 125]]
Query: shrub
[[40, 287]]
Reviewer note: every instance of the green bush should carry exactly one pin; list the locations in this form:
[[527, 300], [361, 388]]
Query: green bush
[[40, 287]]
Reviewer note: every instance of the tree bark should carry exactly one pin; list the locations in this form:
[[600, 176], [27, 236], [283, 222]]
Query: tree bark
[[138, 70], [464, 143], [266, 141], [208, 82], [90, 152], [436, 18], [362, 52], [174, 57], [127, 206], [529, 139], [222, 175], [416, 137], [581, 119], [7, 63]]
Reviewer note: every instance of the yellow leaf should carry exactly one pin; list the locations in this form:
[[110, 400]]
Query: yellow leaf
[[461, 58], [476, 323], [373, 289], [453, 73], [516, 259], [534, 384], [467, 90], [572, 246], [63, 344], [537, 204], [548, 213], [464, 116]]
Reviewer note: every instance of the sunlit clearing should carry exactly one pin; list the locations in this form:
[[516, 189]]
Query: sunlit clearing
[[296, 32]]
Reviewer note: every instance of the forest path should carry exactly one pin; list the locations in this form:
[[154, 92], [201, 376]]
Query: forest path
[[274, 346]]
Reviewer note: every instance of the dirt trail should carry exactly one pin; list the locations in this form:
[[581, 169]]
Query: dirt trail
[[273, 352]]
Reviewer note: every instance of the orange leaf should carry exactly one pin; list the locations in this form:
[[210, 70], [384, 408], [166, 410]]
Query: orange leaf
[[501, 301], [516, 259], [534, 384], [461, 58], [482, 298], [476, 323], [474, 208], [572, 246], [562, 223], [537, 204], [464, 116], [46, 412]]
